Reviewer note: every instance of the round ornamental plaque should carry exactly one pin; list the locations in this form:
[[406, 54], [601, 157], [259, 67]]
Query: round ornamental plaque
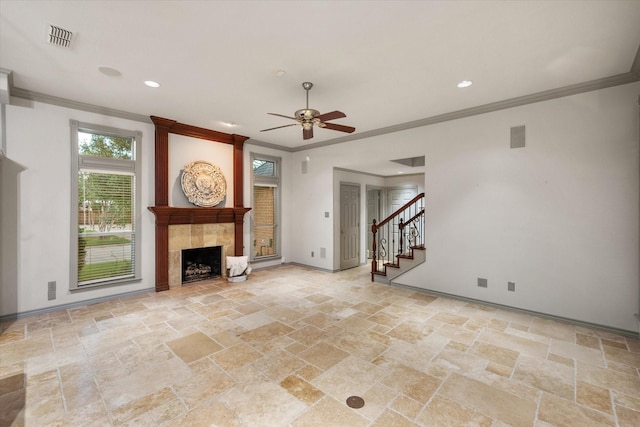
[[203, 183]]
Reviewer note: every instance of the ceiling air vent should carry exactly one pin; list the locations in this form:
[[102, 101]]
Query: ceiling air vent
[[59, 36]]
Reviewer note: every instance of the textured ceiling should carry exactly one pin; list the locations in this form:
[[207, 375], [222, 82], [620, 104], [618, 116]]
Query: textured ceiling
[[382, 63]]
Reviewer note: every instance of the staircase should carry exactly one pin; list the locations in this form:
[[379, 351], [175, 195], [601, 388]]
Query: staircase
[[398, 242]]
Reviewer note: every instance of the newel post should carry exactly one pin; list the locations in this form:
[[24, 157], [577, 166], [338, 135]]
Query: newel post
[[374, 258], [400, 234]]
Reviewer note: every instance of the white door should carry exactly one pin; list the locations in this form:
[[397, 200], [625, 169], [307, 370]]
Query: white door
[[398, 197], [349, 226]]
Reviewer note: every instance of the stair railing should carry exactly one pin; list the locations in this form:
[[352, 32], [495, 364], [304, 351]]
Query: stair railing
[[397, 235]]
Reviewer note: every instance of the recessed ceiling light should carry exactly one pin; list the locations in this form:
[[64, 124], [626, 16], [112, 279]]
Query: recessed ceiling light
[[108, 71], [400, 172], [279, 73], [229, 124], [151, 83], [465, 83]]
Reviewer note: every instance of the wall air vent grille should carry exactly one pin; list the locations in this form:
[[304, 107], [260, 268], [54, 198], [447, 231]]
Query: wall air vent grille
[[59, 36]]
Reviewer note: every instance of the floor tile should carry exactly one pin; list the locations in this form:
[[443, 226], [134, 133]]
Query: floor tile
[[558, 411], [193, 347], [488, 400], [330, 413], [444, 412], [290, 345]]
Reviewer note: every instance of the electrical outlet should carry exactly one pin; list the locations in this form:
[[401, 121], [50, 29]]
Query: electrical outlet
[[482, 283], [51, 289], [312, 255], [511, 286], [323, 252]]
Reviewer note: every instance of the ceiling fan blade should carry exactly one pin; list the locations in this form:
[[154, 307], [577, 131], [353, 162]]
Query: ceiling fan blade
[[307, 133], [331, 116], [282, 115], [279, 127], [341, 128]]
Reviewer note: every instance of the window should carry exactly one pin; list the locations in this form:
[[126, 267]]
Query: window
[[105, 212], [265, 207]]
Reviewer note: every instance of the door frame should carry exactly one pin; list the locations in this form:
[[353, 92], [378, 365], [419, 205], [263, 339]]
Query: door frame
[[359, 231]]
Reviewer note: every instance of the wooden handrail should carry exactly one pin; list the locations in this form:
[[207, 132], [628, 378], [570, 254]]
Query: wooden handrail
[[413, 218], [397, 212], [412, 204]]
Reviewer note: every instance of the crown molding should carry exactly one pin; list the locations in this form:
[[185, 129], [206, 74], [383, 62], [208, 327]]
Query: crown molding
[[547, 95], [75, 105], [336, 168], [621, 79], [264, 144]]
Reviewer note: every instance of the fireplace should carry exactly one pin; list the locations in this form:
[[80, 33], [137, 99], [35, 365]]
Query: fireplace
[[201, 264], [180, 228]]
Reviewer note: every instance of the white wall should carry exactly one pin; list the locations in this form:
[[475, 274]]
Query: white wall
[[340, 177], [416, 180], [35, 203], [558, 217], [184, 150], [363, 180], [318, 191], [38, 139], [9, 178]]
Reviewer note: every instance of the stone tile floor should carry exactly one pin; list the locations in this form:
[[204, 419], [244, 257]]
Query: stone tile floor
[[290, 345]]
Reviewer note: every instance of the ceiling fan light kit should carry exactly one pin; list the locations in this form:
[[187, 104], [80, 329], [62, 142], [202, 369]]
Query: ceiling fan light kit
[[308, 117]]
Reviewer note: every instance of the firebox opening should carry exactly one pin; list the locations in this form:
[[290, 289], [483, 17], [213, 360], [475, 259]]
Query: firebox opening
[[201, 264]]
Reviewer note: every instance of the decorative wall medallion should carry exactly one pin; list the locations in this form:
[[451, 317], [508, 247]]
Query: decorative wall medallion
[[203, 183]]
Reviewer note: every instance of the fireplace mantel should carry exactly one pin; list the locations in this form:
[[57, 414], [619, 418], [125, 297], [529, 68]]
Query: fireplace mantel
[[169, 215]]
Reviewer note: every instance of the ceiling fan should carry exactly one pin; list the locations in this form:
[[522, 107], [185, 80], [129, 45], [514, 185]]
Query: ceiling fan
[[309, 117]]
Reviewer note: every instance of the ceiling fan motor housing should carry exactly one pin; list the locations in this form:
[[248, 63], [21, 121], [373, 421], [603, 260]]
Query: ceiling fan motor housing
[[306, 114]]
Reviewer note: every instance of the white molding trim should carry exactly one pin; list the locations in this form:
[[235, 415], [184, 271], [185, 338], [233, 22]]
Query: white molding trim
[[75, 105], [574, 322], [20, 315], [621, 79], [6, 85], [547, 95]]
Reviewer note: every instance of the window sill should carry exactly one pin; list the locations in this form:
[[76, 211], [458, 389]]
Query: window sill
[[265, 259], [109, 284]]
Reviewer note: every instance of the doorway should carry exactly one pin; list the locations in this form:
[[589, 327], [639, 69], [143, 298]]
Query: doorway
[[397, 198], [349, 226]]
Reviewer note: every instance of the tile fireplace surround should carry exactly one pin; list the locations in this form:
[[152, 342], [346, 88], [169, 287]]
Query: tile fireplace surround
[[190, 236]]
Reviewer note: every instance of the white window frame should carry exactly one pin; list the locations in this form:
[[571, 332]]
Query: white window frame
[[267, 181], [100, 164]]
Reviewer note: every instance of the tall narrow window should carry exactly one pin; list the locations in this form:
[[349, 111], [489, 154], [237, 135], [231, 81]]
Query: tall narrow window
[[265, 207], [105, 244]]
